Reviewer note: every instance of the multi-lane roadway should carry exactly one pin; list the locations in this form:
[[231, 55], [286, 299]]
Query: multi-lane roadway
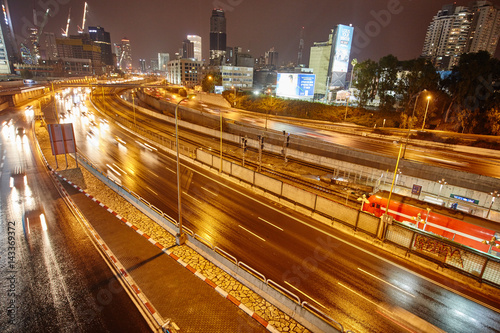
[[351, 281]]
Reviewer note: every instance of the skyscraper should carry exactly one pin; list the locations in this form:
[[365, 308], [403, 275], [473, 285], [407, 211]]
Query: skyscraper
[[187, 49], [456, 30], [8, 37], [319, 61], [125, 60], [49, 46], [217, 37], [447, 36], [103, 40], [163, 59], [271, 58], [197, 46], [4, 58], [485, 27]]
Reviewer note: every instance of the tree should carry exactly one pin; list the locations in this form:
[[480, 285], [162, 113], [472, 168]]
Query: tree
[[417, 75], [387, 80], [366, 81], [210, 81], [473, 87]]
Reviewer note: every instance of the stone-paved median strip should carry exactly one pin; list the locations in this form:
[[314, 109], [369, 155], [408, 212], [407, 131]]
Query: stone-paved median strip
[[223, 282]]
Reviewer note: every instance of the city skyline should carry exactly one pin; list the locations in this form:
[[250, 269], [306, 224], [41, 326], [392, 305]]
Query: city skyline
[[381, 27]]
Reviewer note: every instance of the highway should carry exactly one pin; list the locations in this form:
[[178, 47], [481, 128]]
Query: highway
[[472, 161], [52, 277], [350, 280]]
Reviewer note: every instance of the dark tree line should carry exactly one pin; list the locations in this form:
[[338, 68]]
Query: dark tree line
[[465, 99]]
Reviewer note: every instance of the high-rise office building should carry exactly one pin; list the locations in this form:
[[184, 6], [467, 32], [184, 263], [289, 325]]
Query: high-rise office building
[[163, 59], [217, 37], [319, 61], [197, 46], [456, 30], [485, 27], [187, 49], [126, 55], [4, 58], [142, 65], [49, 46], [117, 50], [80, 47], [271, 58], [8, 39], [103, 40]]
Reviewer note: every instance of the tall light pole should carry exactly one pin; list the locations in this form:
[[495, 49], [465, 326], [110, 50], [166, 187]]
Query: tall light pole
[[354, 62], [220, 168], [442, 182], [133, 105], [426, 108], [234, 88], [411, 122], [493, 196], [180, 238]]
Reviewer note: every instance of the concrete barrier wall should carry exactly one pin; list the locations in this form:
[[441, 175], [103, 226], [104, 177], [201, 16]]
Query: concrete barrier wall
[[204, 157], [268, 183], [336, 210], [242, 173], [300, 196]]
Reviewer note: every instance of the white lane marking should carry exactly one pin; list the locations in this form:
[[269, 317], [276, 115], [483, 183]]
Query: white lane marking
[[404, 291], [149, 188], [363, 297], [210, 191], [251, 232], [260, 218], [172, 171], [193, 198], [303, 293]]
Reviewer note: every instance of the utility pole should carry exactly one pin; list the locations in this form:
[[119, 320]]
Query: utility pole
[[261, 147], [244, 146]]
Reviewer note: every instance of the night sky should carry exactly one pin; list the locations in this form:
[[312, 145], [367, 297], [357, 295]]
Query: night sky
[[160, 25]]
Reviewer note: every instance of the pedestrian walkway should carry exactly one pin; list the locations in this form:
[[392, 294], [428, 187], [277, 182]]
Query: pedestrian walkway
[[174, 291]]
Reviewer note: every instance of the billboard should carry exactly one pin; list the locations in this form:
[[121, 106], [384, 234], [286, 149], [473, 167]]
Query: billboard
[[294, 85], [342, 48]]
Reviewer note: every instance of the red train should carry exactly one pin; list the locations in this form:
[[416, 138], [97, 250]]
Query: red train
[[455, 225]]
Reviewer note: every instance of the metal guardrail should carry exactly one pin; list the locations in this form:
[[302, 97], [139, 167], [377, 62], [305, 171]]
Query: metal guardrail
[[254, 272], [284, 291]]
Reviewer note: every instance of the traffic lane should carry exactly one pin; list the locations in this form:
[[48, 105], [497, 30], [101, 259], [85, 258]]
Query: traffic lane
[[51, 293], [339, 261]]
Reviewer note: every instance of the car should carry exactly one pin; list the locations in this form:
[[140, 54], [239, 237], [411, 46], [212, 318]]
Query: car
[[20, 131], [18, 177]]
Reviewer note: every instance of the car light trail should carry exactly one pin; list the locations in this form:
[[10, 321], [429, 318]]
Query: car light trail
[[373, 276]]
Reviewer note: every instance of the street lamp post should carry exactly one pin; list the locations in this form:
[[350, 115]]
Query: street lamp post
[[234, 102], [426, 108], [180, 238], [133, 105], [411, 122], [493, 196], [220, 167], [442, 182]]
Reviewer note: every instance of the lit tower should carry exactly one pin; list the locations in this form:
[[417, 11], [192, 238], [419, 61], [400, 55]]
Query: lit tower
[[196, 40], [217, 37]]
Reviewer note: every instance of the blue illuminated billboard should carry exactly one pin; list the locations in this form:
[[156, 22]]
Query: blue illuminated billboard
[[293, 85], [342, 51]]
